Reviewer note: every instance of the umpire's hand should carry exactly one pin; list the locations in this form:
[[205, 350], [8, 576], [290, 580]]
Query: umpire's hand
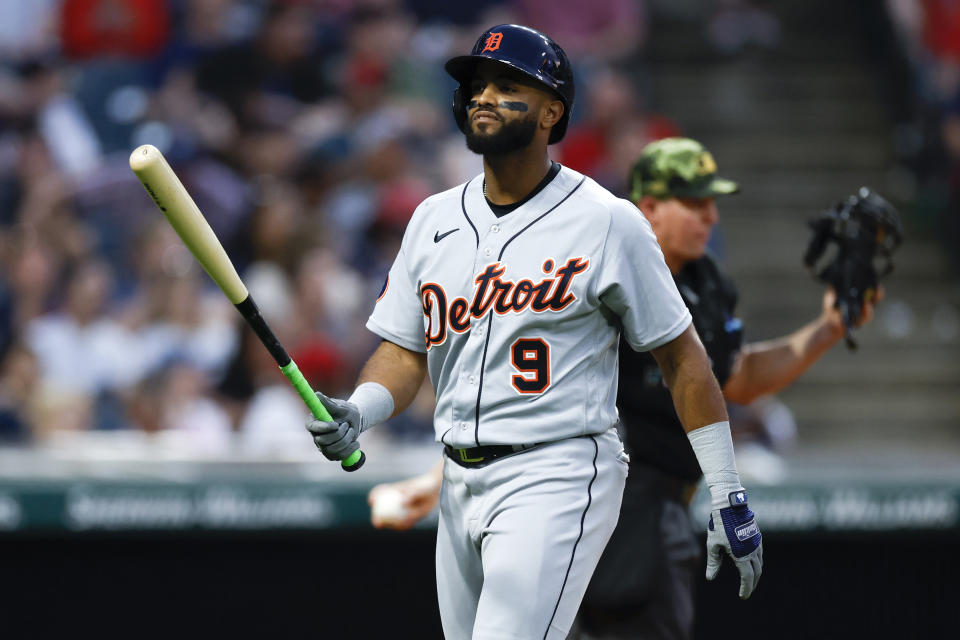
[[734, 530], [834, 318], [336, 439]]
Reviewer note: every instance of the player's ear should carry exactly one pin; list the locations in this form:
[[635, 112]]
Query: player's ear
[[551, 113]]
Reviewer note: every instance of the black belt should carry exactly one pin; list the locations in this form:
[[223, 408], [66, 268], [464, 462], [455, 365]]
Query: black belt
[[476, 457]]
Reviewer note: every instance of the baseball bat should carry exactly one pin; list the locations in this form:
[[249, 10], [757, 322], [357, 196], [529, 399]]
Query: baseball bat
[[181, 211]]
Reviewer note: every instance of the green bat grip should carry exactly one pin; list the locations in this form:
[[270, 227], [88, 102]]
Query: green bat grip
[[292, 373]]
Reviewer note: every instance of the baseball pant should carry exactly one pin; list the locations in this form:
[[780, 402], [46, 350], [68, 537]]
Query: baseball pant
[[519, 538]]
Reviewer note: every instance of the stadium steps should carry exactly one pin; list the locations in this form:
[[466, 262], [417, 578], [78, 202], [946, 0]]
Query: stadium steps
[[801, 127]]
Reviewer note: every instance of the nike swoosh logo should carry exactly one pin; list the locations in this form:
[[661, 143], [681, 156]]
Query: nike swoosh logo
[[437, 237]]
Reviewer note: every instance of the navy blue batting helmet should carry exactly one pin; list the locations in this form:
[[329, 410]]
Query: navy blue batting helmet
[[524, 49]]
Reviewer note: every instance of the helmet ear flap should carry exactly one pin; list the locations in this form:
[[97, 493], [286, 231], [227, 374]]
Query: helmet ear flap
[[460, 100]]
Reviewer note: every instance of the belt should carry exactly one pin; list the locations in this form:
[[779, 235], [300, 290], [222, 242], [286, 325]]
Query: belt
[[476, 457]]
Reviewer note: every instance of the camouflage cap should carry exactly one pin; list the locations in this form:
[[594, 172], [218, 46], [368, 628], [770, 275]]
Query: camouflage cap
[[677, 168]]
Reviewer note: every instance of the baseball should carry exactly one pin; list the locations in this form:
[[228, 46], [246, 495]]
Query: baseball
[[388, 507]]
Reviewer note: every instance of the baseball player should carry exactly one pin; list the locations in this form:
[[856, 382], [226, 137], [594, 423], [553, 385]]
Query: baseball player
[[644, 584], [512, 291]]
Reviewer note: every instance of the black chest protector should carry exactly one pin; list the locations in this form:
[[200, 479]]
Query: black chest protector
[[654, 434]]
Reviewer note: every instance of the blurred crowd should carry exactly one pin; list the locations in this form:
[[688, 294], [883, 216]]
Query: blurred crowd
[[926, 34], [306, 130]]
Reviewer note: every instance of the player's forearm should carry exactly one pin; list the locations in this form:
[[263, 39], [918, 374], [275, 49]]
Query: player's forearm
[[697, 398], [686, 371], [702, 411], [769, 366], [399, 370]]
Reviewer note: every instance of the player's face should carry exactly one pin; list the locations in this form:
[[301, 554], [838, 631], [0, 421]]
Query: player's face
[[683, 227], [504, 110]]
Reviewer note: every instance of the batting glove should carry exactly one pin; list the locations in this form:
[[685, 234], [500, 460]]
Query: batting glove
[[337, 439], [740, 537]]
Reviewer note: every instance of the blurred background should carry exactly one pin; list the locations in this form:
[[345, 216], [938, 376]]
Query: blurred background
[[151, 450]]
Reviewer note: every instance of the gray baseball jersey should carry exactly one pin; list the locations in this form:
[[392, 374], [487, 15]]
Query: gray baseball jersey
[[520, 315]]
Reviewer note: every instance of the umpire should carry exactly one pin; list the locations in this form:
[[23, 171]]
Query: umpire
[[645, 583]]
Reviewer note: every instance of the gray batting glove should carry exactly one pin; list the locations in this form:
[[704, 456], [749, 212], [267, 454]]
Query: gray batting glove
[[337, 439], [740, 537]]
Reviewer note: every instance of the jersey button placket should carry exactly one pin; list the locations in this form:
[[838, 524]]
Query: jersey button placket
[[486, 253]]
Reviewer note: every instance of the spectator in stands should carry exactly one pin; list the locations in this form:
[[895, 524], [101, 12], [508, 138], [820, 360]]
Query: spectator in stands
[[28, 29], [174, 402], [950, 217], [267, 79], [929, 38], [93, 28], [81, 352], [19, 381], [735, 25], [31, 269], [592, 32], [603, 143]]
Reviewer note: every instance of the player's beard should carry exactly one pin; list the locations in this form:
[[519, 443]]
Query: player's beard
[[511, 137]]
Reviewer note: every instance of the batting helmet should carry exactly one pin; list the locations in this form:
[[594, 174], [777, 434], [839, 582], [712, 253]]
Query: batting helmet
[[521, 48]]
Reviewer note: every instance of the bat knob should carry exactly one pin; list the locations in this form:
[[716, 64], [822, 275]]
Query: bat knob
[[354, 462]]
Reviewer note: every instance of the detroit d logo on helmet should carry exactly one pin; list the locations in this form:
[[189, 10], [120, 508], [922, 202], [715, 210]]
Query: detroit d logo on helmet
[[493, 42]]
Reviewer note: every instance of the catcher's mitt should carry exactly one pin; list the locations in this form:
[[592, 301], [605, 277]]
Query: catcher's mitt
[[864, 227]]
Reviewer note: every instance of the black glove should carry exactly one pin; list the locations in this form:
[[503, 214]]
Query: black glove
[[863, 227]]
